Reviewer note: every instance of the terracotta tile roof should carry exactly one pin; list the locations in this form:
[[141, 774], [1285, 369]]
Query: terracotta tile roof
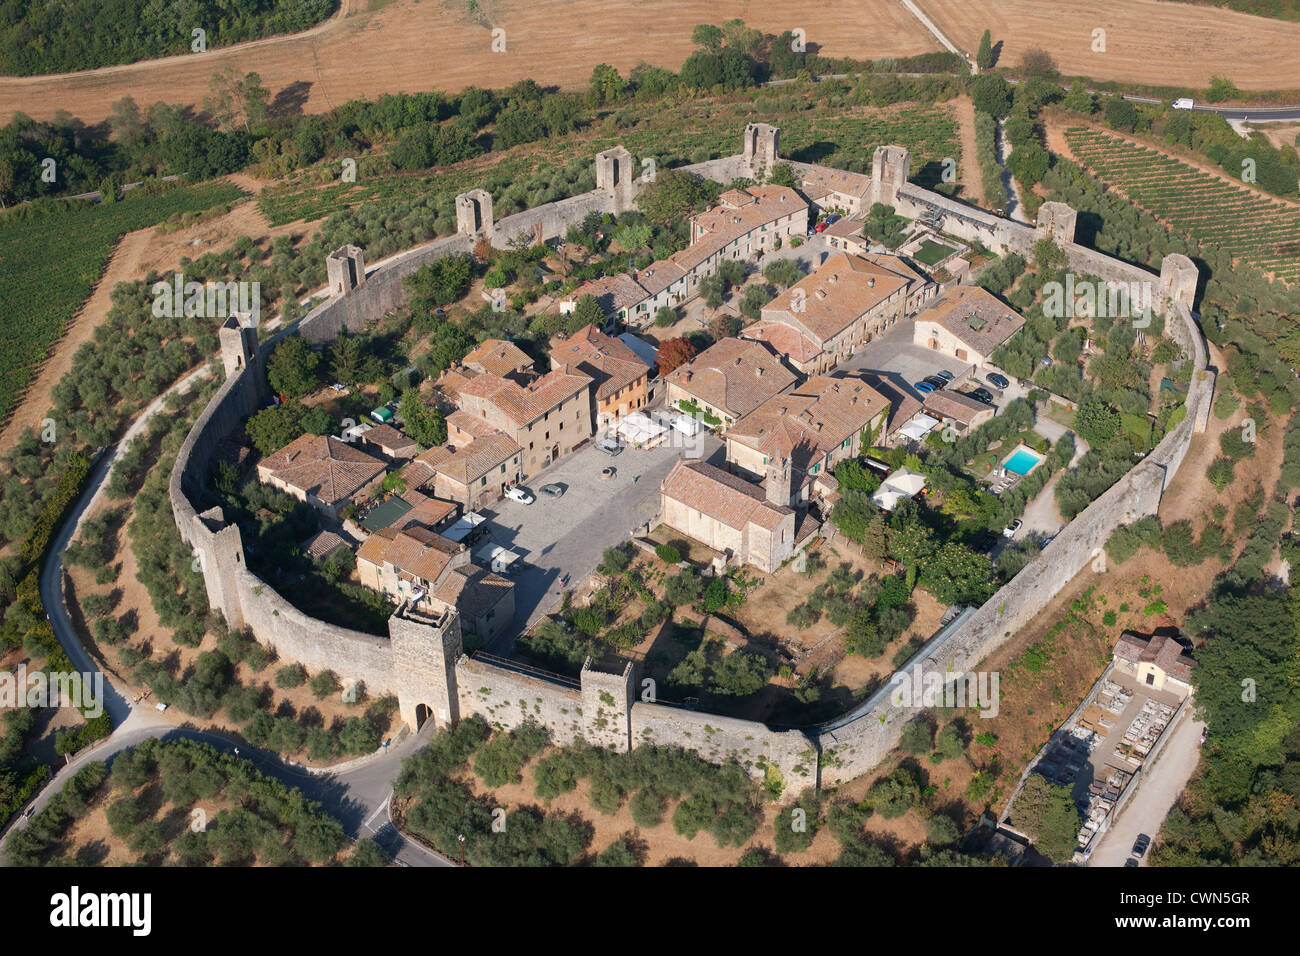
[[658, 276], [845, 229], [975, 316], [895, 264], [323, 544], [421, 471], [811, 420], [735, 375], [425, 511], [605, 360], [820, 180], [954, 405], [473, 591], [471, 425], [478, 458], [497, 357], [834, 296], [525, 404], [451, 381], [612, 292], [784, 340], [722, 496], [418, 552], [386, 436], [740, 212], [1165, 652], [324, 467]]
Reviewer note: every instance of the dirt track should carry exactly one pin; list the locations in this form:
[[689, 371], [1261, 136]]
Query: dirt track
[[1147, 41], [409, 46]]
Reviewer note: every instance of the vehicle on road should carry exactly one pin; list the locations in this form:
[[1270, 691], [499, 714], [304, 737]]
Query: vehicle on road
[[934, 382], [1010, 530], [820, 227], [1130, 862], [606, 474], [1140, 846], [520, 494], [554, 491], [610, 445], [923, 388], [944, 374], [997, 381], [981, 395], [1183, 103], [338, 387]]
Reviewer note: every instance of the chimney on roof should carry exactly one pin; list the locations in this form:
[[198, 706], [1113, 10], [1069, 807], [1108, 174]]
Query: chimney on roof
[[871, 283], [759, 371]]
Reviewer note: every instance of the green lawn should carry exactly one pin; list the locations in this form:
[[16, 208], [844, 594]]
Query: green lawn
[[932, 252]]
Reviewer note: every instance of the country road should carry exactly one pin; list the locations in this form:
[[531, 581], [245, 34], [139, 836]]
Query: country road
[[358, 795]]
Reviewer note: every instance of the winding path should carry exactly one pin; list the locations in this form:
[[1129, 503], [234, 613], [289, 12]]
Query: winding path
[[358, 793]]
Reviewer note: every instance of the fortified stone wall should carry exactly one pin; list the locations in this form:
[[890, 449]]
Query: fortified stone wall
[[599, 708], [718, 739]]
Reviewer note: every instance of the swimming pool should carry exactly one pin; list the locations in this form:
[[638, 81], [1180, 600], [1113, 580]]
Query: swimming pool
[[1022, 461]]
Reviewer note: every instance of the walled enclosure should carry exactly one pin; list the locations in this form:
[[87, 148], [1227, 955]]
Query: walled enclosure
[[422, 661]]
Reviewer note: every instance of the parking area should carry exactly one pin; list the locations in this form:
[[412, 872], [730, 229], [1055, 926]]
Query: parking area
[[893, 357], [567, 535]]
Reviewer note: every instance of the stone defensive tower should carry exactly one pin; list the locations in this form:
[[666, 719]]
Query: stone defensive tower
[[238, 339], [890, 167], [425, 650], [614, 175], [607, 707], [346, 268], [777, 482], [1056, 221], [219, 555], [474, 213], [1178, 278], [762, 143]]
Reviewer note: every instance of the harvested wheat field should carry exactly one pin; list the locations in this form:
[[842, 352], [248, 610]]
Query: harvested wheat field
[[1147, 41], [407, 46]]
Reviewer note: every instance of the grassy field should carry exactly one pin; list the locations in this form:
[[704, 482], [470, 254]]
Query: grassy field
[[1201, 206], [49, 265]]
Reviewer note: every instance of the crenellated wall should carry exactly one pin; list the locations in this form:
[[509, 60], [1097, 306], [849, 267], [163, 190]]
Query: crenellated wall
[[421, 660]]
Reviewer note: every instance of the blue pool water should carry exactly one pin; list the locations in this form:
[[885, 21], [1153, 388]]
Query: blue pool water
[[1023, 461]]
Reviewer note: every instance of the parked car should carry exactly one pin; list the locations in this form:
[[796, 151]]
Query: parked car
[[1010, 530], [555, 491], [944, 374], [338, 387], [520, 494], [610, 446], [832, 219], [923, 388], [1140, 845], [1130, 862], [997, 381], [820, 227], [934, 381], [981, 395]]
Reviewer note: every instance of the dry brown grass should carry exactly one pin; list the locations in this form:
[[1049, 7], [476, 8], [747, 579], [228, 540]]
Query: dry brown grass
[[407, 46]]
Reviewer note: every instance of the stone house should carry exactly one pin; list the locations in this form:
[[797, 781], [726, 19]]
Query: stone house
[[390, 442], [620, 379], [822, 319], [753, 524], [323, 471], [837, 189], [815, 426], [968, 323], [729, 379], [953, 408], [1159, 662], [473, 476], [547, 418], [498, 357]]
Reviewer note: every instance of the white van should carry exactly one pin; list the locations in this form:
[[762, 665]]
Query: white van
[[1183, 104]]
